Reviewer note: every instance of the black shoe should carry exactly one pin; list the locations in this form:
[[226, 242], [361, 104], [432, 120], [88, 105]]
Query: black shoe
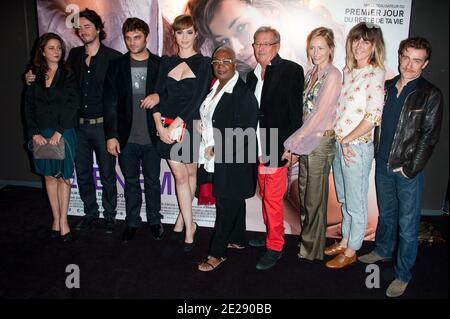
[[109, 225], [187, 247], [85, 223], [157, 231], [128, 233], [55, 233], [269, 259], [177, 235], [258, 241], [67, 237]]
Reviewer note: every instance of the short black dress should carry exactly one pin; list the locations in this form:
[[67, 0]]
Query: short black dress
[[182, 99]]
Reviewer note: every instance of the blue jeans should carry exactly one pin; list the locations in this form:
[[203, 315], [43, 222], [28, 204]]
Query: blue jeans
[[352, 186], [131, 158], [399, 203], [91, 138]]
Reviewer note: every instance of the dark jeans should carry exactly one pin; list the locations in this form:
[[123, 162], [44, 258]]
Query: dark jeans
[[229, 226], [131, 158], [91, 138], [399, 203]]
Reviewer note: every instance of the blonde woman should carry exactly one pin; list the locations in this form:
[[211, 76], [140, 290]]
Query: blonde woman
[[314, 142]]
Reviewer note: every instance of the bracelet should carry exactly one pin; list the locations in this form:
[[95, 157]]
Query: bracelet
[[345, 144]]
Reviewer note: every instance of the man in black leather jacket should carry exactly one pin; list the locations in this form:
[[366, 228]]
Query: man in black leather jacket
[[409, 130]]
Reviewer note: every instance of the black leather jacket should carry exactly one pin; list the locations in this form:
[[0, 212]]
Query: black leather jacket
[[418, 128]]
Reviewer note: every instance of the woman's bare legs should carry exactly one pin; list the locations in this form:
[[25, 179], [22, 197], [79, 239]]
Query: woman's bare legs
[[185, 188], [192, 171], [51, 185], [58, 191], [63, 197]]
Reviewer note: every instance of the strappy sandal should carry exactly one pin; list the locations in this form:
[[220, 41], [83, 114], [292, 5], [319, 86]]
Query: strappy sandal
[[235, 246], [211, 263]]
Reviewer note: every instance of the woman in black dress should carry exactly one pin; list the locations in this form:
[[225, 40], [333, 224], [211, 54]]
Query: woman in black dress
[[183, 82], [51, 112]]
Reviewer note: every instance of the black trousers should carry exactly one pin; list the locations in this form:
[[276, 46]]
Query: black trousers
[[229, 227], [91, 138], [132, 158]]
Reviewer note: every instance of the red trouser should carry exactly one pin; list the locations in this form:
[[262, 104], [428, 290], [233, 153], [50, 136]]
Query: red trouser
[[272, 187]]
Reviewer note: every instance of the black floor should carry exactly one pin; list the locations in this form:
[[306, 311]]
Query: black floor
[[34, 266]]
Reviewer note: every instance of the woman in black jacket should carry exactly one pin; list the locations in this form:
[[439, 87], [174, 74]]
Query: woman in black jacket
[[229, 150], [51, 112]]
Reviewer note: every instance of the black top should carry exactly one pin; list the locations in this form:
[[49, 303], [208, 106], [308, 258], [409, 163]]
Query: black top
[[183, 98], [238, 110], [391, 114], [281, 105], [55, 107], [418, 128], [91, 100], [118, 98], [91, 105]]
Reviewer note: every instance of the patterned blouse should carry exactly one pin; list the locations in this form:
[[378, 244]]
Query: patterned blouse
[[319, 110], [362, 98]]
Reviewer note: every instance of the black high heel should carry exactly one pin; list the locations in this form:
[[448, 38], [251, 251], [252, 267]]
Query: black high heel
[[177, 235], [187, 247], [67, 237], [54, 233]]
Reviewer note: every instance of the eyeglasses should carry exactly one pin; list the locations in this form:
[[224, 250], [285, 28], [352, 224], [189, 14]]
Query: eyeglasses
[[264, 45], [225, 62]]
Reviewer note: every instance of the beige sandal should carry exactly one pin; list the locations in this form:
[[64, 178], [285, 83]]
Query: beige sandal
[[210, 263]]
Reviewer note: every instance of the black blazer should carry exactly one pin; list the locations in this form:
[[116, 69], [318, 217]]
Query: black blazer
[[55, 107], [236, 110], [281, 103], [104, 56], [118, 98]]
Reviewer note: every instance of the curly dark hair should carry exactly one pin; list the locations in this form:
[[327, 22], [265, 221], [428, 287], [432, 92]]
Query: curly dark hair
[[40, 64], [93, 17]]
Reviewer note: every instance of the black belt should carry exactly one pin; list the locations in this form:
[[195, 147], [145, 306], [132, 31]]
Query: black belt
[[91, 121]]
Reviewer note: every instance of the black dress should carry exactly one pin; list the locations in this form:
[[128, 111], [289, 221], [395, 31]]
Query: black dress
[[182, 99]]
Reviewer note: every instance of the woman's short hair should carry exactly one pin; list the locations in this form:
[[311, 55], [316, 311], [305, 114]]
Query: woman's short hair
[[93, 17], [40, 64], [182, 22], [185, 21], [418, 43], [325, 33], [133, 24], [368, 32]]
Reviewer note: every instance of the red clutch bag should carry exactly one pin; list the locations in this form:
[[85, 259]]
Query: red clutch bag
[[178, 133]]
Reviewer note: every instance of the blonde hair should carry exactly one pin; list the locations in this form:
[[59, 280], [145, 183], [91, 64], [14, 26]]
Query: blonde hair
[[367, 32], [325, 33]]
